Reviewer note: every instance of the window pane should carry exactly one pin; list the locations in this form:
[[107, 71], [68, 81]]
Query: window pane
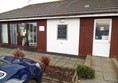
[[13, 34], [102, 29], [22, 36], [4, 33], [32, 34], [62, 32]]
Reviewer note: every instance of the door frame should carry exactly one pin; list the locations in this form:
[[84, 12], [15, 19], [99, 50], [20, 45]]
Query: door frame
[[102, 41]]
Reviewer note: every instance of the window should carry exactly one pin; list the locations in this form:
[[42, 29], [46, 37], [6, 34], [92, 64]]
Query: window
[[13, 33], [27, 34], [62, 32], [22, 36], [32, 34], [4, 31], [102, 29]]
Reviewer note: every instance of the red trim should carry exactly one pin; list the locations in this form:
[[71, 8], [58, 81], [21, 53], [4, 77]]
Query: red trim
[[114, 38], [8, 27], [86, 36], [42, 36], [18, 46]]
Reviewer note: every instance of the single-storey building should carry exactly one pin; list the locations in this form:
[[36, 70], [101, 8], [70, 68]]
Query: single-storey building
[[74, 27]]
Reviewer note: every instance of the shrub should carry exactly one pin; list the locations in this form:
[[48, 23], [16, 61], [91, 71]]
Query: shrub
[[45, 60], [84, 71], [18, 53]]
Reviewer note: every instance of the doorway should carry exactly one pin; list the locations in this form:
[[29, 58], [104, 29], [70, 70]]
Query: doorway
[[102, 37], [27, 34]]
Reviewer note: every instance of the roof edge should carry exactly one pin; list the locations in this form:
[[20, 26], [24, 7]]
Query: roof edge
[[59, 17]]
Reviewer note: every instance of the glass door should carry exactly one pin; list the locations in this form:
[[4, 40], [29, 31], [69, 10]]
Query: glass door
[[13, 33], [27, 34], [22, 36], [102, 37]]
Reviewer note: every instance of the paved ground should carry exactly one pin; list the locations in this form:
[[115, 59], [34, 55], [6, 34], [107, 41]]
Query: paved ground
[[104, 71], [56, 60]]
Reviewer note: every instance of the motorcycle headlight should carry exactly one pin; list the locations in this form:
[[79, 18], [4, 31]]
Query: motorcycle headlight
[[38, 65]]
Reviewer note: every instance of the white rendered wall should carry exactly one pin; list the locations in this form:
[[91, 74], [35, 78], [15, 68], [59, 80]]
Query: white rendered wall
[[67, 46]]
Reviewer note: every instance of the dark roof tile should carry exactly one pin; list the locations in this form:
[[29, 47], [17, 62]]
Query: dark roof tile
[[65, 7]]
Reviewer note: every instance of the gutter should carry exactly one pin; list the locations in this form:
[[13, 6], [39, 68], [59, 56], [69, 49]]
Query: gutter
[[59, 17]]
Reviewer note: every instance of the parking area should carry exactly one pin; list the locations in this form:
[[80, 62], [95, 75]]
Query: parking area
[[56, 60], [104, 69]]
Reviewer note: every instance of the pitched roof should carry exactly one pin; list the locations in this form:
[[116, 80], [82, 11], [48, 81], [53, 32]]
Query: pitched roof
[[64, 7]]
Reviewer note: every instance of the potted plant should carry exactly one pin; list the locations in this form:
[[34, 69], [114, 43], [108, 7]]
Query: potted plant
[[44, 60], [19, 53]]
